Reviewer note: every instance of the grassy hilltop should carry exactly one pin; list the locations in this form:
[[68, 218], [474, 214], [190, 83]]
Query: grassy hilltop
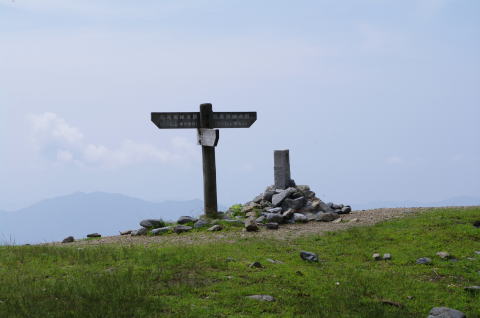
[[212, 279]]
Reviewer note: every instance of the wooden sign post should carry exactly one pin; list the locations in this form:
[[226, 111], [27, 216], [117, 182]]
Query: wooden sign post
[[205, 122]]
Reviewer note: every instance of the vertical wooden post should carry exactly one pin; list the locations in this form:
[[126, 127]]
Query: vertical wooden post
[[209, 168]]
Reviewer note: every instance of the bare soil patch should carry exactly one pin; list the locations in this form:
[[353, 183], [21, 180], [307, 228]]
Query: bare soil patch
[[285, 232]]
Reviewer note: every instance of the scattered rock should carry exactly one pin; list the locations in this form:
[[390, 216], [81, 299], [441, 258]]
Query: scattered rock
[[251, 214], [309, 256], [68, 239], [336, 206], [260, 219], [278, 198], [255, 265], [267, 195], [94, 235], [387, 256], [215, 228], [339, 220], [186, 219], [287, 215], [476, 224], [201, 223], [152, 223], [354, 220], [258, 198], [473, 289], [249, 207], [182, 228], [445, 312], [299, 218], [251, 225], [315, 205], [274, 218], [262, 297], [376, 257], [140, 231], [424, 261], [229, 259], [345, 210], [477, 252], [161, 230], [327, 216], [295, 204], [128, 232], [324, 207], [443, 255], [272, 226], [274, 210]]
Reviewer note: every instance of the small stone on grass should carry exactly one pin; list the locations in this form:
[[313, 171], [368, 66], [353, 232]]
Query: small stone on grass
[[181, 229], [68, 239], [423, 260], [215, 228], [309, 256], [262, 297], [161, 230], [443, 255], [445, 312], [255, 265]]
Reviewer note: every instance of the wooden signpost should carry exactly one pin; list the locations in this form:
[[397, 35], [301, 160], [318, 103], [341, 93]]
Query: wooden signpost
[[205, 122]]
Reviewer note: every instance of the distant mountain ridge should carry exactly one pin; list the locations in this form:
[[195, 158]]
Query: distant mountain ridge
[[80, 213], [455, 201]]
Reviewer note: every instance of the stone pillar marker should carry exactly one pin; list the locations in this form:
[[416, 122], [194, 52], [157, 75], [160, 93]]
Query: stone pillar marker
[[281, 168]]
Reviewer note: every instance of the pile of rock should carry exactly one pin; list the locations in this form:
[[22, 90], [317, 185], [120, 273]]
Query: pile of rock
[[296, 204]]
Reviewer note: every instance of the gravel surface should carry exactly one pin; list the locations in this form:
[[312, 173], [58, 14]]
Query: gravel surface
[[285, 232]]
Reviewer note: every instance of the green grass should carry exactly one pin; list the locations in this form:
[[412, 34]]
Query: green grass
[[197, 281]]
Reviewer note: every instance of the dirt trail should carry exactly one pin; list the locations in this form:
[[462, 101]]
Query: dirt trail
[[286, 232]]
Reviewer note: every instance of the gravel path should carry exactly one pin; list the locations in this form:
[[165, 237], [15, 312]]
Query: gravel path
[[286, 232]]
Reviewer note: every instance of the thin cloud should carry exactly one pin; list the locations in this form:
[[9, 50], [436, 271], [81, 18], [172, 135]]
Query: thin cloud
[[55, 139]]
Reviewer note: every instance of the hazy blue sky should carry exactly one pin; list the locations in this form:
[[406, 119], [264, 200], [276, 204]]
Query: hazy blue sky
[[376, 100]]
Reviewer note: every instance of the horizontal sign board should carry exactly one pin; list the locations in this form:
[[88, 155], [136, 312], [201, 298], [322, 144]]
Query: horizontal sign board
[[176, 120], [233, 119], [192, 120]]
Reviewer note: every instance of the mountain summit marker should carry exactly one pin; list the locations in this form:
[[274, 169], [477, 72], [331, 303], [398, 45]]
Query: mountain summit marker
[[205, 122]]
